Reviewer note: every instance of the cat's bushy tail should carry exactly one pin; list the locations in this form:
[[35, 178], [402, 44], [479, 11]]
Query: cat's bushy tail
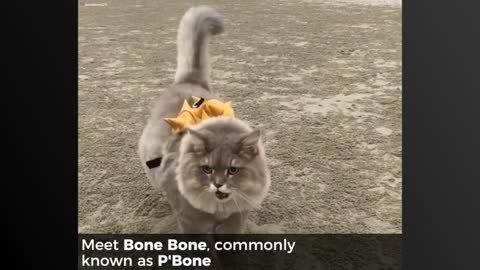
[[196, 27]]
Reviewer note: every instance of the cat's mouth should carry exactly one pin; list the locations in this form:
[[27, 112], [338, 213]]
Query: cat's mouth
[[221, 196]]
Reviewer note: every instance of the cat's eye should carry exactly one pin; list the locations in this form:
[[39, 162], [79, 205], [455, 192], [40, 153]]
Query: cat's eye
[[232, 170], [206, 169]]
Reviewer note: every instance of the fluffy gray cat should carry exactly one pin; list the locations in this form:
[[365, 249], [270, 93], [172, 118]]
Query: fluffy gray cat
[[216, 172]]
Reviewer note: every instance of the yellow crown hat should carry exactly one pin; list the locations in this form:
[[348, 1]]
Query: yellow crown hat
[[201, 109]]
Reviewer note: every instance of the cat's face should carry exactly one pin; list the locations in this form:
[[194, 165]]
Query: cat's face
[[222, 167]]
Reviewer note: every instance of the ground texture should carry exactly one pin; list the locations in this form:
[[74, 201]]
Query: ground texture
[[322, 79]]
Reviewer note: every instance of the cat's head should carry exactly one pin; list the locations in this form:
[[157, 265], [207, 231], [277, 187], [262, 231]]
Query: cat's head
[[222, 166]]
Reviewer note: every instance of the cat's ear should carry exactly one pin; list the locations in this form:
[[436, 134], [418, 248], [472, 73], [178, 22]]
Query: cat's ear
[[199, 140], [249, 144]]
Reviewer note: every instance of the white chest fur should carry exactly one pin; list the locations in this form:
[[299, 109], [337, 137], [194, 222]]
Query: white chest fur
[[221, 215]]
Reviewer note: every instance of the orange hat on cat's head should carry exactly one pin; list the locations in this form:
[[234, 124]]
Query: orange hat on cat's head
[[201, 109]]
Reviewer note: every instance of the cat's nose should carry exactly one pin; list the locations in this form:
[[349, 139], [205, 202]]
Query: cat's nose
[[218, 185]]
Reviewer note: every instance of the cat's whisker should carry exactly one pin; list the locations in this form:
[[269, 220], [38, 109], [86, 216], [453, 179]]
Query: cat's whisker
[[246, 198], [242, 193], [238, 207]]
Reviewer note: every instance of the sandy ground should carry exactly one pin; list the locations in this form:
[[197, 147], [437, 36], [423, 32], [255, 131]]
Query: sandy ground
[[321, 78]]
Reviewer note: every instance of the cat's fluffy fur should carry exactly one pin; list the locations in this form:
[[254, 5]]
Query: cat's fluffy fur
[[220, 143]]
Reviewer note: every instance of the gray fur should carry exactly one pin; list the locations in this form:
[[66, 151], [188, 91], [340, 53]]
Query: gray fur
[[219, 142], [196, 26]]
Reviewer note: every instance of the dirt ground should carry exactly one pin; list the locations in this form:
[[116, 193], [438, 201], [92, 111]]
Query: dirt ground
[[322, 79]]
